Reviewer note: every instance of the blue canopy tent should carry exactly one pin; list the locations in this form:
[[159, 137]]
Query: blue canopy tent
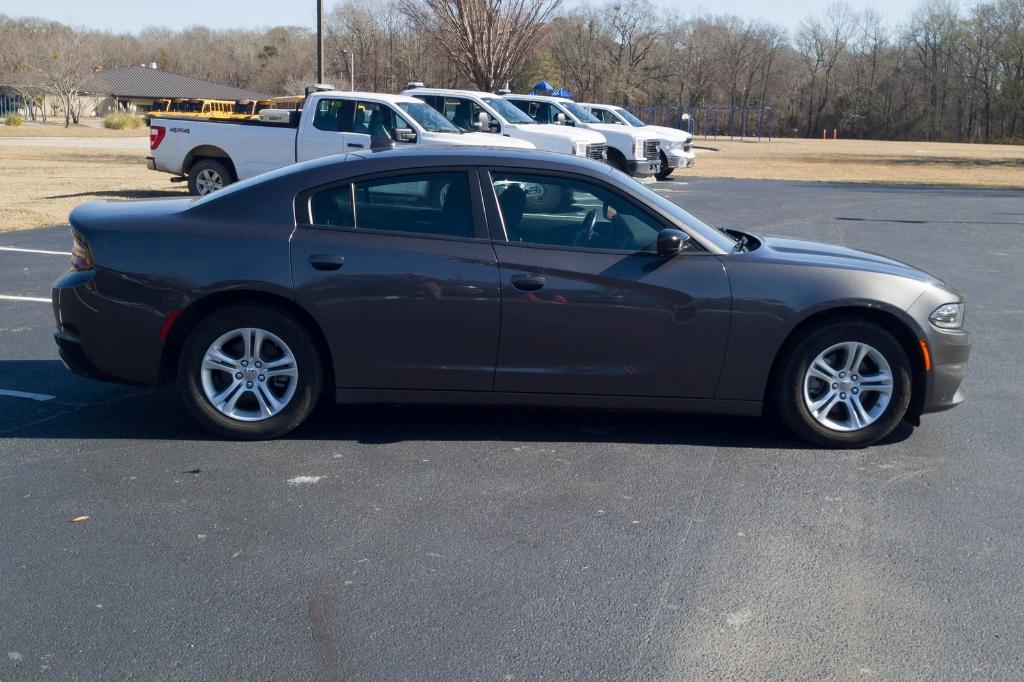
[[562, 92], [542, 88]]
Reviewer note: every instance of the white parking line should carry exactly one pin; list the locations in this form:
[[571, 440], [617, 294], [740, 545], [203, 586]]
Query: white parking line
[[41, 397], [48, 253], [5, 297]]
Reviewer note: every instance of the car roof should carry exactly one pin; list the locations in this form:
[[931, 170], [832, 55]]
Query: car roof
[[379, 96], [592, 104], [540, 98], [450, 91], [484, 156]]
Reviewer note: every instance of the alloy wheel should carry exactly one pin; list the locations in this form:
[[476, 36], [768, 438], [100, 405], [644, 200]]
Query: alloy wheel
[[848, 386], [249, 374], [208, 181]]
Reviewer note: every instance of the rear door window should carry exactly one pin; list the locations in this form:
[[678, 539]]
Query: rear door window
[[436, 204]]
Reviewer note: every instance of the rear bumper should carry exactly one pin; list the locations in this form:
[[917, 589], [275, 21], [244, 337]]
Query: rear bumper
[[103, 337], [150, 163], [643, 169]]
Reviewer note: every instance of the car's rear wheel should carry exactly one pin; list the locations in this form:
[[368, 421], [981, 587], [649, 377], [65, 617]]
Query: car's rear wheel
[[844, 385], [250, 372], [208, 176]]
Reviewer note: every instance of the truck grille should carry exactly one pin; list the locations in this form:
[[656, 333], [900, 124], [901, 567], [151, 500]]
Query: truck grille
[[597, 151], [651, 150]]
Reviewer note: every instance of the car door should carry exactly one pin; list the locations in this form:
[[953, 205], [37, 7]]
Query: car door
[[597, 311], [398, 272], [327, 135]]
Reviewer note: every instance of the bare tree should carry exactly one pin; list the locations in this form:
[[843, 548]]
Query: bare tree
[[489, 40]]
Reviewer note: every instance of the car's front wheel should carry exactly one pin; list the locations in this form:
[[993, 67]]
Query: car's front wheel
[[250, 372], [844, 385]]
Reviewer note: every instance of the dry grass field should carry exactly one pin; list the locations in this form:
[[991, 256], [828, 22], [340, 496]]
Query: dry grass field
[[919, 163], [49, 169]]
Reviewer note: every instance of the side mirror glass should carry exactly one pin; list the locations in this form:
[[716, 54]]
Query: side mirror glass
[[405, 135], [671, 241]]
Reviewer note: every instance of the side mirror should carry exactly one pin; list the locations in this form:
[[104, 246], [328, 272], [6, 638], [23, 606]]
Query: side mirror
[[560, 118], [405, 135], [671, 241]]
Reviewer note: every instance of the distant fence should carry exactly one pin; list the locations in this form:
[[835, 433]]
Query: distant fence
[[719, 121]]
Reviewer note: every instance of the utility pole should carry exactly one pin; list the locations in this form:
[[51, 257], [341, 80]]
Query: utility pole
[[351, 69], [319, 41]]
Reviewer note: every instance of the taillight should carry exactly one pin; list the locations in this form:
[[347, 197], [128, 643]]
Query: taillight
[[81, 254], [156, 136]]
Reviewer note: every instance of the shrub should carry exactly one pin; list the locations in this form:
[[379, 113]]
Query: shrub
[[120, 120], [14, 119]]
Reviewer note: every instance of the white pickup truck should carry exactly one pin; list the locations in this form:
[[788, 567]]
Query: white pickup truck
[[489, 113], [213, 153], [676, 145], [631, 151]]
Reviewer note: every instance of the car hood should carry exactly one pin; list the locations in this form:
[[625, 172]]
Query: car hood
[[666, 133], [557, 138], [804, 252], [478, 140], [611, 130]]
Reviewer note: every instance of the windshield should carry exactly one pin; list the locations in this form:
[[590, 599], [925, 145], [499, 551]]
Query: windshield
[[579, 113], [720, 238], [630, 118], [428, 117], [508, 111]]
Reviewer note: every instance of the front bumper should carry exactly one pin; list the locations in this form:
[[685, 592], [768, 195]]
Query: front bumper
[[677, 158], [643, 169], [949, 352]]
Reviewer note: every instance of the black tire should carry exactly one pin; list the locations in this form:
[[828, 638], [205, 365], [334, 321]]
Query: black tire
[[788, 387], [308, 385], [617, 161], [665, 170], [203, 172]]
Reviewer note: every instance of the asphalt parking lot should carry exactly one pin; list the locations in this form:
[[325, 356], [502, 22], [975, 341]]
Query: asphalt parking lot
[[513, 544]]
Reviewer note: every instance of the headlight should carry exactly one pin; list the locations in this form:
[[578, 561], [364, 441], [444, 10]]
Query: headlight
[[580, 149], [677, 145], [948, 316]]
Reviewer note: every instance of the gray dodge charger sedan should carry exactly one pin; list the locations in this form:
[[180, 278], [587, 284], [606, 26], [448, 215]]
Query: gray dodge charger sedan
[[448, 275]]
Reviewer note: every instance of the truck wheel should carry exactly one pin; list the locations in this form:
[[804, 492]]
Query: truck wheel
[[208, 176], [617, 161], [843, 385], [665, 170]]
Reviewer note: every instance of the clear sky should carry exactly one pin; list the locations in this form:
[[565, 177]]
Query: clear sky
[[129, 15]]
